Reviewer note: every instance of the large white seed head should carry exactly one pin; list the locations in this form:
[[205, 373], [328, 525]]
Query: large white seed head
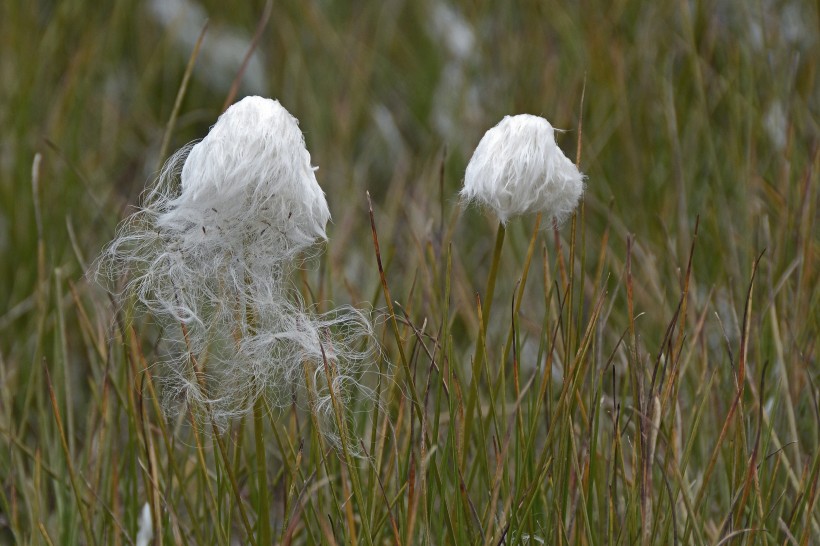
[[209, 255], [251, 175], [518, 168]]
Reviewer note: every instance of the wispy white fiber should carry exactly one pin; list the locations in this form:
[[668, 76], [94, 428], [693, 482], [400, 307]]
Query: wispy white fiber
[[518, 168], [209, 255]]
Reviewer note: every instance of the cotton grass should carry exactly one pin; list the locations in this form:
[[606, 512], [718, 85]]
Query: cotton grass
[[209, 255], [518, 168]]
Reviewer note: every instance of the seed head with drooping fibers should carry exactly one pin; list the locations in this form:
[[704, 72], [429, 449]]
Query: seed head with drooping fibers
[[518, 168], [209, 255]]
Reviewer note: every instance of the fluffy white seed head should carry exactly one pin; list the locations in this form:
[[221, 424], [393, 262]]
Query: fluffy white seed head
[[250, 172], [209, 255], [228, 214], [518, 168]]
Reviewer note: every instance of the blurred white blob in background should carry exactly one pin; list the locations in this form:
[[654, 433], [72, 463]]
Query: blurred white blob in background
[[145, 527], [223, 48], [776, 124], [456, 100]]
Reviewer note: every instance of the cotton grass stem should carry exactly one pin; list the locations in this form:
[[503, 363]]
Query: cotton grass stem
[[522, 284], [490, 291], [486, 307], [263, 512]]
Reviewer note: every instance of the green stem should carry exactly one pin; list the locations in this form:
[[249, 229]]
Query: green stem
[[488, 294], [263, 516], [485, 317]]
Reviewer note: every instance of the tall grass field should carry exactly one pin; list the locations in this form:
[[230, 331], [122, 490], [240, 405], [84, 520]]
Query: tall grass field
[[644, 373]]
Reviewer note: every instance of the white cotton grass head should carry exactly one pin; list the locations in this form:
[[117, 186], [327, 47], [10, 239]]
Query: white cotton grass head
[[252, 171], [208, 255], [517, 168], [229, 212]]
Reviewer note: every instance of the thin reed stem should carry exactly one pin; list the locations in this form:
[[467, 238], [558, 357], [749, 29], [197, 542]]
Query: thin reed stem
[[263, 513]]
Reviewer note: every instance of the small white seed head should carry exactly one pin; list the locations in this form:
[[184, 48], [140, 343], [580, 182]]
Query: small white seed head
[[518, 168]]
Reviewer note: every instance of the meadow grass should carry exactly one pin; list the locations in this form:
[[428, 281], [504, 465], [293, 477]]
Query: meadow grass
[[646, 374]]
